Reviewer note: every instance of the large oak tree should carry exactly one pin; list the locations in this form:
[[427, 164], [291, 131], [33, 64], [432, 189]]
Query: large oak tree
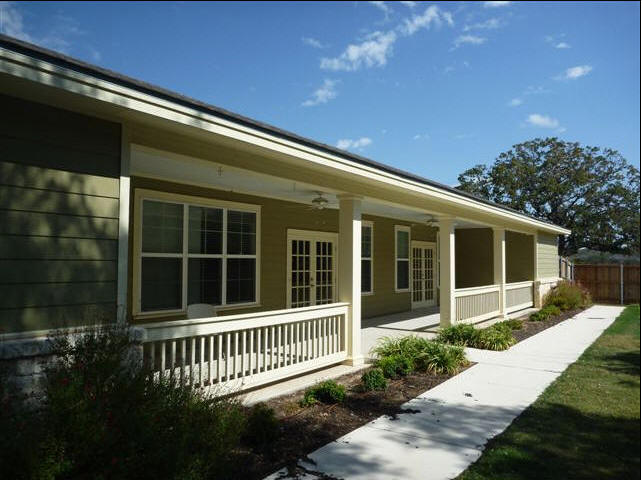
[[593, 191]]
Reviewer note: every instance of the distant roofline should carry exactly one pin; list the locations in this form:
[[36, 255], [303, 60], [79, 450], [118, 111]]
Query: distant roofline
[[80, 66]]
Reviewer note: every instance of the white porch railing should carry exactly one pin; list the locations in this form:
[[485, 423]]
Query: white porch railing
[[237, 352], [475, 304], [519, 295]]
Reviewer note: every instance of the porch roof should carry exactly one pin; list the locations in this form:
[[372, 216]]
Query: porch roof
[[99, 73]]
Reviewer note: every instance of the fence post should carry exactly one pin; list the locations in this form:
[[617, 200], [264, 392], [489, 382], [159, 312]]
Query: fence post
[[621, 284]]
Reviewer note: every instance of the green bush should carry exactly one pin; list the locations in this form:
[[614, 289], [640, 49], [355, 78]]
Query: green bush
[[463, 334], [374, 380], [513, 324], [325, 392], [262, 427], [102, 418], [545, 313], [426, 355], [568, 296], [495, 337], [396, 365]]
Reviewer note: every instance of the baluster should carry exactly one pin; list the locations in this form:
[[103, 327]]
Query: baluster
[[162, 359], [172, 360], [150, 359], [258, 350], [210, 369], [183, 359], [265, 348], [192, 360], [201, 362], [279, 351], [251, 352], [243, 345], [228, 336], [297, 350], [272, 347], [219, 357], [236, 354]]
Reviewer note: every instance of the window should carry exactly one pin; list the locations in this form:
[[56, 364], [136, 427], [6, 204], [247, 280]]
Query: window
[[402, 258], [366, 257], [193, 253]]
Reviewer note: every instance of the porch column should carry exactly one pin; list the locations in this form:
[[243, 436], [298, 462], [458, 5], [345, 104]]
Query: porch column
[[447, 313], [499, 268], [350, 271], [537, 298]]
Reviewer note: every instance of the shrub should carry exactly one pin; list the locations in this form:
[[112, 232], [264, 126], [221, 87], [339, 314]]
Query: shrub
[[545, 313], [462, 334], [426, 355], [495, 337], [513, 324], [374, 380], [568, 296], [325, 392], [102, 417], [396, 365], [261, 428]]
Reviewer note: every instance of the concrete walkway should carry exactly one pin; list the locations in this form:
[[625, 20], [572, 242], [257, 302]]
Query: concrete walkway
[[450, 424]]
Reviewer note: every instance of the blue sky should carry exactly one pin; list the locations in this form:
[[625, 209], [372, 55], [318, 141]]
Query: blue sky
[[432, 88]]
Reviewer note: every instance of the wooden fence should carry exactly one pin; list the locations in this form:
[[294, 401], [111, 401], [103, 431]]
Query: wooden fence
[[610, 283]]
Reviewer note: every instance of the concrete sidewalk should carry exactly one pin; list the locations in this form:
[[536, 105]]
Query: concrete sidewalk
[[447, 427]]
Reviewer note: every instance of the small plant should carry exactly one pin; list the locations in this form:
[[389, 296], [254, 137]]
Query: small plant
[[568, 296], [261, 427], [426, 355], [374, 380], [396, 365], [513, 324], [462, 334], [496, 337], [545, 313], [325, 392]]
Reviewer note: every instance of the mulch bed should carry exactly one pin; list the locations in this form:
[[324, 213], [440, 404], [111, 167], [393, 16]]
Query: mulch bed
[[532, 328], [303, 430]]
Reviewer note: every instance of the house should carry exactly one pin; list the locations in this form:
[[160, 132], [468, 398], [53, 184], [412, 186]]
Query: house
[[125, 202]]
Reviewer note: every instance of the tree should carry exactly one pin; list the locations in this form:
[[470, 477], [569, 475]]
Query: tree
[[593, 191]]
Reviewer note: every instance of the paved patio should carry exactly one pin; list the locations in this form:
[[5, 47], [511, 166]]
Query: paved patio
[[450, 424]]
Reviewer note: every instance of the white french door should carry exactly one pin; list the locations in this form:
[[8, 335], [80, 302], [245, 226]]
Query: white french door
[[312, 265], [424, 278]]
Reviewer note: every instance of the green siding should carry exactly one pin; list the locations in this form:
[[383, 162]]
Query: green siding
[[547, 259], [59, 189], [519, 257]]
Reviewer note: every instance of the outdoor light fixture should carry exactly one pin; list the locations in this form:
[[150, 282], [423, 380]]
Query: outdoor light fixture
[[320, 202]]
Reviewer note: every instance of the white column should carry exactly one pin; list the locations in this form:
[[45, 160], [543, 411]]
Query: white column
[[447, 313], [123, 227], [350, 271], [537, 298], [499, 266]]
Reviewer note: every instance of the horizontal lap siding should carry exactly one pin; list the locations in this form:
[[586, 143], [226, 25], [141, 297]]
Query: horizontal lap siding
[[547, 258], [59, 189]]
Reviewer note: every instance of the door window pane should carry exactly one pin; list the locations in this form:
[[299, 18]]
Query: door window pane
[[161, 284], [162, 227], [241, 233], [205, 230], [241, 280], [204, 280]]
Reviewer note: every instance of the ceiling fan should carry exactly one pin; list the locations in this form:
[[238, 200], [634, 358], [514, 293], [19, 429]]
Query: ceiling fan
[[319, 202]]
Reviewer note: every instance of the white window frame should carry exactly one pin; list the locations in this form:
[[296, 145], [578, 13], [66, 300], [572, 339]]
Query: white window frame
[[402, 228], [186, 200], [369, 224]]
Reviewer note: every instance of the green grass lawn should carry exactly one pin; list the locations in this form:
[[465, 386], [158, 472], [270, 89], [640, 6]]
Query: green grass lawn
[[585, 425]]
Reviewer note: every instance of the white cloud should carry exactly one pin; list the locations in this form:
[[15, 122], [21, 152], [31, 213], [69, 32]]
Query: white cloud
[[11, 22], [432, 15], [312, 42], [543, 121], [575, 72], [515, 102], [383, 7], [562, 45], [323, 94], [496, 4], [409, 4], [536, 90], [421, 136], [469, 40], [490, 24], [374, 51], [358, 144]]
